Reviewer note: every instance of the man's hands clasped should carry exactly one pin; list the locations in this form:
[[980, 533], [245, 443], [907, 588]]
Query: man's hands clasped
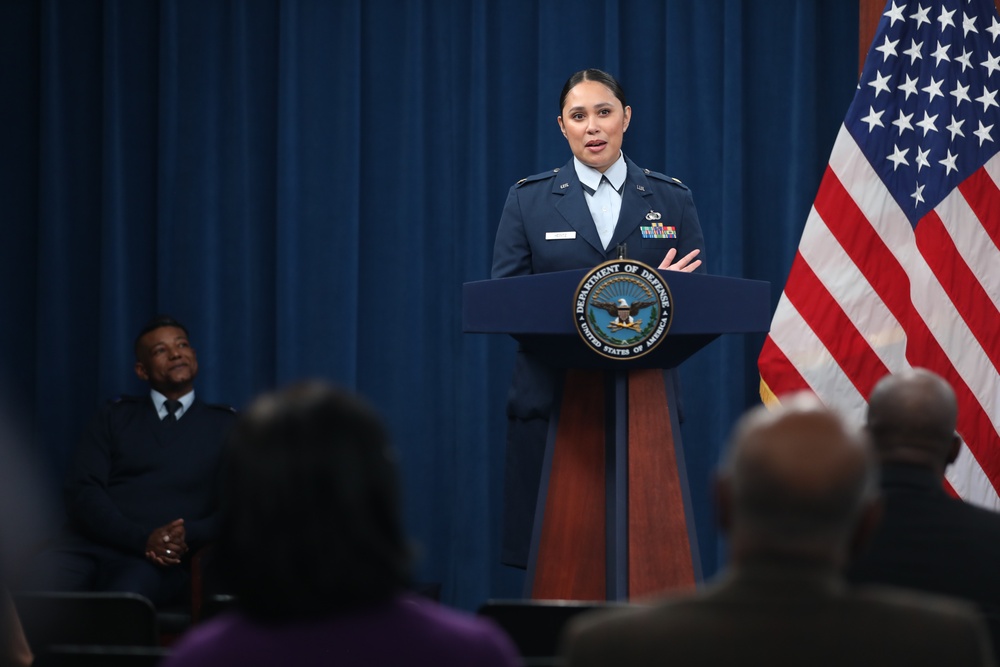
[[166, 544]]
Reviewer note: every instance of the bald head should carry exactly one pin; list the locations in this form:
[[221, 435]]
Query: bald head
[[911, 419], [796, 481]]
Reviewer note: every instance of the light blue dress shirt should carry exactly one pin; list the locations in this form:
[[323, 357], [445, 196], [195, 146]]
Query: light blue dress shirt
[[603, 194]]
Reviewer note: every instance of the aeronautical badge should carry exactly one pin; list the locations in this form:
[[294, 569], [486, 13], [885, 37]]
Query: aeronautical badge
[[622, 309]]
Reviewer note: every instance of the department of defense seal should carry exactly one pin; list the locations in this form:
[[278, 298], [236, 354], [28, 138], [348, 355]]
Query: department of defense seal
[[622, 309]]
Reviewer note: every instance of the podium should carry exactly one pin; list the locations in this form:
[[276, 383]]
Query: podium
[[613, 518]]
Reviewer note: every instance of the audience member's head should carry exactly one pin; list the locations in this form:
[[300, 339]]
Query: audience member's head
[[911, 419], [797, 483], [310, 520]]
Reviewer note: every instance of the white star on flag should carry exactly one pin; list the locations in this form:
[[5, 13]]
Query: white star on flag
[[914, 51], [944, 18], [903, 122], [909, 87], [941, 53], [896, 13], [961, 94], [994, 29], [888, 49], [965, 59]]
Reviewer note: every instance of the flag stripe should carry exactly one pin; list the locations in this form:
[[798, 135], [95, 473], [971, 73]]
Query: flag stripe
[[833, 328], [786, 376], [966, 294], [810, 362], [834, 266], [980, 190], [976, 242]]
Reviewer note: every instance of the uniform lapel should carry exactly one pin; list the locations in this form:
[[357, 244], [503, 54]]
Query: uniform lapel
[[570, 203]]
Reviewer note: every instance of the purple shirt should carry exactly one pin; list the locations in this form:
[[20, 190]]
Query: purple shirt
[[406, 631]]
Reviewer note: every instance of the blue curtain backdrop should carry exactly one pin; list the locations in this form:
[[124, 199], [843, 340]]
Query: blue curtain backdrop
[[307, 184]]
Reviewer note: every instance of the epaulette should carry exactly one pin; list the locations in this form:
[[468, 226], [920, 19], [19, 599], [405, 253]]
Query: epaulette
[[221, 406], [663, 177], [537, 177]]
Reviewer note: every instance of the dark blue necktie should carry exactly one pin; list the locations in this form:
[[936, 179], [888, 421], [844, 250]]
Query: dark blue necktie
[[172, 406]]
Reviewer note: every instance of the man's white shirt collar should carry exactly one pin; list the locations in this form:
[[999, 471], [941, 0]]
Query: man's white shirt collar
[[159, 401]]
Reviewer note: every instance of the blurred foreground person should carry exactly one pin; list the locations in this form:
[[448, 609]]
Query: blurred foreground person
[[794, 496], [25, 516], [311, 543], [14, 648], [927, 539]]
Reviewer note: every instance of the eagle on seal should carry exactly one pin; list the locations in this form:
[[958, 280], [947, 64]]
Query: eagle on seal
[[612, 307]]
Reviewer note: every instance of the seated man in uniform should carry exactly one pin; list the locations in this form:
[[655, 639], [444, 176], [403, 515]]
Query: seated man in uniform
[[142, 489]]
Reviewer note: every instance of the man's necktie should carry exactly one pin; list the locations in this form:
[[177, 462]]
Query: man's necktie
[[172, 406]]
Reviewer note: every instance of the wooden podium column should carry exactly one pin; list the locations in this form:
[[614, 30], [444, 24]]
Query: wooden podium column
[[615, 503], [659, 546], [570, 562]]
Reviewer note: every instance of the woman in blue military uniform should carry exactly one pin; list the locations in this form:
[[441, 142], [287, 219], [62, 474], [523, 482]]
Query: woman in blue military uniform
[[598, 207]]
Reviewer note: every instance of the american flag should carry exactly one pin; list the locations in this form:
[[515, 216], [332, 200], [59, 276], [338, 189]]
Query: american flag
[[898, 265]]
